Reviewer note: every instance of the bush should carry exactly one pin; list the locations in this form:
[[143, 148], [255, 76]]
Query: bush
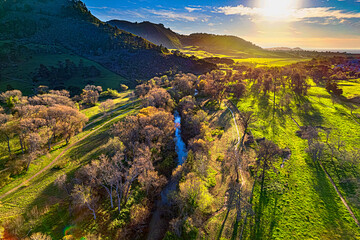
[[110, 93], [211, 180]]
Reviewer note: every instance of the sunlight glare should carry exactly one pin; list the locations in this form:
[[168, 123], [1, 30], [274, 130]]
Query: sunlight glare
[[277, 10]]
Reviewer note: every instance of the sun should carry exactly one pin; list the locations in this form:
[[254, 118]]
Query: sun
[[277, 10]]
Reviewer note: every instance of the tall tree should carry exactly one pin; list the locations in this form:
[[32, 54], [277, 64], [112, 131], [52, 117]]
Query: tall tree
[[83, 195]]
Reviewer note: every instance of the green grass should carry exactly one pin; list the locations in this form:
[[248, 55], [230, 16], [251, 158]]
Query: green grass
[[270, 62], [304, 204], [308, 207], [351, 88], [260, 60], [95, 112]]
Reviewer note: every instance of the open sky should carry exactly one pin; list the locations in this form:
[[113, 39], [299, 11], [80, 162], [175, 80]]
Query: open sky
[[310, 24]]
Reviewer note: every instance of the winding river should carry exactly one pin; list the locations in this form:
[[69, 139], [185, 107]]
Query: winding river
[[158, 224], [180, 147], [181, 151]]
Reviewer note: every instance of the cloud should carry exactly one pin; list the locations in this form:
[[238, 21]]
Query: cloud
[[291, 15], [170, 15], [108, 13], [192, 9]]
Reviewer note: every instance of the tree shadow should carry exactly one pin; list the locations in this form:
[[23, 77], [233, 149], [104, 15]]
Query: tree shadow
[[264, 107], [308, 114], [331, 203]]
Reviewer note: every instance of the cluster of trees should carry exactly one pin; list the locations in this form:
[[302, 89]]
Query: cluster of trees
[[218, 85], [64, 71], [38, 121], [327, 71], [140, 155]]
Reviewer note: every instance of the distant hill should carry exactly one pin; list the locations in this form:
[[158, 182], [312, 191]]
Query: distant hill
[[69, 24], [284, 49], [155, 33], [158, 34]]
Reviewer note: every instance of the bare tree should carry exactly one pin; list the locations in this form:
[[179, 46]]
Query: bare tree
[[83, 196]]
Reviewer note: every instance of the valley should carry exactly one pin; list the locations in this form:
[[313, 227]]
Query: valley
[[124, 130]]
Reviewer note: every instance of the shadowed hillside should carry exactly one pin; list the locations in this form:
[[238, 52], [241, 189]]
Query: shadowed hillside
[[70, 25], [155, 33]]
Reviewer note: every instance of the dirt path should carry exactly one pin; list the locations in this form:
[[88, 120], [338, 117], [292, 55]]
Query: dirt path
[[238, 142], [59, 156], [340, 195]]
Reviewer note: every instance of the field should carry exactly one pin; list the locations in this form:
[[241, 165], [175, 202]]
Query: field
[[261, 61], [270, 62], [299, 201]]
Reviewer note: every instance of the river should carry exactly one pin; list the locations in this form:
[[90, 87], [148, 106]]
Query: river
[[181, 151], [158, 223]]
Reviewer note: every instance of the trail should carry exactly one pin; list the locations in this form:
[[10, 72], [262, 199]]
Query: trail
[[340, 195], [60, 155], [229, 199], [238, 142]]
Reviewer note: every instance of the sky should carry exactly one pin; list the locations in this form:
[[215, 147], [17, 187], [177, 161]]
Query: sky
[[309, 24]]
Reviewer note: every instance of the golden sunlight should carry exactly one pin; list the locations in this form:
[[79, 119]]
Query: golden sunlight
[[277, 10]]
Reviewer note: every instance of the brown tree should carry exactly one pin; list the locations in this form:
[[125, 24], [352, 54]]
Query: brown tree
[[105, 106], [90, 94], [159, 98], [83, 196]]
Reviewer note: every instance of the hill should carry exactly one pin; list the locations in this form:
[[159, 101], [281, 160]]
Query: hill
[[155, 33], [284, 49], [70, 26], [158, 34]]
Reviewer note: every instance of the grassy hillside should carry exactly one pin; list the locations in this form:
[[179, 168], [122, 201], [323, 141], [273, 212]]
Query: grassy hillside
[[299, 201], [20, 71], [58, 25]]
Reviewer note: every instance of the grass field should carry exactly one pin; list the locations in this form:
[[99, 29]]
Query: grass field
[[299, 201], [351, 88], [270, 62], [261, 61]]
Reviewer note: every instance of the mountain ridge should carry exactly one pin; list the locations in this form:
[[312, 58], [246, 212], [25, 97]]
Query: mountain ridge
[[170, 39]]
